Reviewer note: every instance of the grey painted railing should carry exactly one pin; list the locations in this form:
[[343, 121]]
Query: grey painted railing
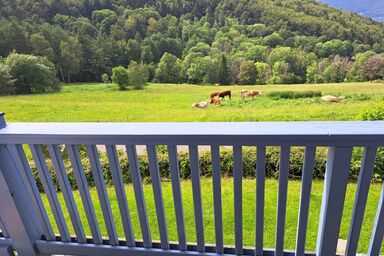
[[24, 220]]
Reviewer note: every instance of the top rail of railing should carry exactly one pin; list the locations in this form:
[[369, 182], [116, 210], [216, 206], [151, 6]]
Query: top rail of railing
[[366, 133]]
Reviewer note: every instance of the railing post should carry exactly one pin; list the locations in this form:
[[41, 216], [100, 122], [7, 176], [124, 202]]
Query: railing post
[[335, 185], [16, 209], [3, 124]]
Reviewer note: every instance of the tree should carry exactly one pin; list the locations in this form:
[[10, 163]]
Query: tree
[[257, 53], [337, 70], [120, 77], [374, 67], [32, 74], [356, 71], [70, 58], [273, 40], [224, 72], [7, 84], [138, 75], [247, 73], [168, 70], [263, 72]]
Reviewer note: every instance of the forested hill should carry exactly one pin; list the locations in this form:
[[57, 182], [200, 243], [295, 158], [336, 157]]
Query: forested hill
[[87, 38]]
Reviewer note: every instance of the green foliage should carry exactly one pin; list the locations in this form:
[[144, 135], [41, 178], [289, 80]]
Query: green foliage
[[226, 164], [138, 75], [120, 77], [372, 113], [294, 94], [168, 70], [85, 39], [7, 84], [247, 73], [105, 78], [32, 74], [263, 72]]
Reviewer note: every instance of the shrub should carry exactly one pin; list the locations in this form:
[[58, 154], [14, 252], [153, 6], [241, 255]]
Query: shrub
[[138, 75], [120, 77], [32, 74], [7, 84], [105, 78], [372, 113], [226, 162], [294, 95]]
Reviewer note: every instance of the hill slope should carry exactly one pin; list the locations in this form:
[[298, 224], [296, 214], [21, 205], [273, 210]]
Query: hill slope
[[86, 38]]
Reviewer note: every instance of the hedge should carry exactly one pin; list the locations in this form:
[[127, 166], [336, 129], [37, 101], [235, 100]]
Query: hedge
[[249, 163]]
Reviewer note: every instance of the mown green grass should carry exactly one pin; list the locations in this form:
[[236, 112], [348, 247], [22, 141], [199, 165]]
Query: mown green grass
[[172, 102], [228, 212]]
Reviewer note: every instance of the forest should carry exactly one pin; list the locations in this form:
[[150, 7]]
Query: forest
[[197, 42]]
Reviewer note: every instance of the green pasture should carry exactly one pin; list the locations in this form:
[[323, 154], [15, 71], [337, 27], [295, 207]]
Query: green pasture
[[172, 102]]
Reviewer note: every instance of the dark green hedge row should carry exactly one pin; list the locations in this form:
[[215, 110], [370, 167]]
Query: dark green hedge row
[[249, 163]]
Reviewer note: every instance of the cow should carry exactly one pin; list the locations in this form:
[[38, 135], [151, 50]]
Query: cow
[[225, 93], [249, 94], [202, 104], [215, 101], [330, 98], [214, 94]]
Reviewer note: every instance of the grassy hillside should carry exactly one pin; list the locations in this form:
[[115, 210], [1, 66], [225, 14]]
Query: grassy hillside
[[171, 102]]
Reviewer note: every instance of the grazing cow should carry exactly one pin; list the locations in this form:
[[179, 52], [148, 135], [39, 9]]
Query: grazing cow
[[215, 101], [202, 104], [214, 94], [330, 98], [225, 93], [250, 94]]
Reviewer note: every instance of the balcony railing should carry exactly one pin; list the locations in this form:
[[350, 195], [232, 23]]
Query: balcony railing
[[27, 229]]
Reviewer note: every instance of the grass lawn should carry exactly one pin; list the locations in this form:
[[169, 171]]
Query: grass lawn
[[171, 102], [248, 212]]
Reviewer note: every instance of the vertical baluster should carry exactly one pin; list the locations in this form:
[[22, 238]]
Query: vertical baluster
[[364, 182], [49, 189], [120, 193], [335, 186], [196, 189], [84, 193], [306, 186], [216, 177], [378, 229], [177, 198], [102, 193], [30, 183], [158, 195], [282, 199], [260, 196], [3, 229], [66, 189], [238, 198], [139, 195]]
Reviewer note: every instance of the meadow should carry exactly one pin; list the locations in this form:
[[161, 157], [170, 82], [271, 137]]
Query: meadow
[[172, 103]]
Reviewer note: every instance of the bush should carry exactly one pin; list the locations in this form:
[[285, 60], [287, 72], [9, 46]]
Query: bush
[[120, 77], [7, 84], [105, 78], [294, 95], [372, 114], [226, 162], [138, 75], [32, 74]]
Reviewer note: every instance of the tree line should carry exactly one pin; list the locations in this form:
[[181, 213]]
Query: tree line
[[220, 41]]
